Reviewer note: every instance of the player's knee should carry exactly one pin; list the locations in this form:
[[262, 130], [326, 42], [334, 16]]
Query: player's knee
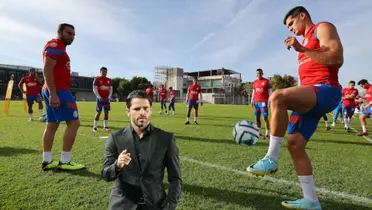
[[73, 124], [277, 97], [51, 127], [295, 142]]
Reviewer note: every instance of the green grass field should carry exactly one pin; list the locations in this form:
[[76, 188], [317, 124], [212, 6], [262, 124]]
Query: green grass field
[[213, 166]]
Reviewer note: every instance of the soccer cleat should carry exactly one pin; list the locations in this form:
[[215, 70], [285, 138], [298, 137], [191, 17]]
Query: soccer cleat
[[196, 122], [333, 124], [327, 128], [71, 166], [266, 136], [348, 130], [300, 204], [263, 167], [107, 129], [47, 166], [363, 134], [187, 122], [30, 120], [173, 113], [95, 130]]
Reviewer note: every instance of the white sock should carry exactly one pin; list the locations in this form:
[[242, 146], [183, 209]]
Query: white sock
[[188, 119], [345, 121], [47, 157], [195, 119], [267, 132], [65, 157], [30, 116], [105, 123], [348, 122], [364, 128], [274, 147], [41, 112], [95, 123], [308, 188], [326, 123]]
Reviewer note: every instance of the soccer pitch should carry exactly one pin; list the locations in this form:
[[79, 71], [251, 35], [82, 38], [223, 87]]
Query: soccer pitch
[[213, 166]]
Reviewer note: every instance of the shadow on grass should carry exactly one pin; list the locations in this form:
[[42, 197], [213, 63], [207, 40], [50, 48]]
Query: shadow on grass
[[14, 151], [213, 140], [342, 142], [257, 198], [82, 172]]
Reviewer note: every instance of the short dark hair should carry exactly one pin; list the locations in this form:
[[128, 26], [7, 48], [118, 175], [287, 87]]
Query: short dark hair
[[136, 94], [363, 82], [352, 81], [32, 69], [294, 12], [151, 86], [259, 70], [103, 68], [62, 26]]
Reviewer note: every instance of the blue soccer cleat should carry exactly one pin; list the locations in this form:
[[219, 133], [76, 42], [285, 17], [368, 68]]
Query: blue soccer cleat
[[304, 204], [263, 167]]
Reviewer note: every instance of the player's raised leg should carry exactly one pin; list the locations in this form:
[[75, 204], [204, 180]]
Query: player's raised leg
[[319, 93]]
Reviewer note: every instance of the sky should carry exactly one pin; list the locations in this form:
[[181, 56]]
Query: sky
[[131, 37]]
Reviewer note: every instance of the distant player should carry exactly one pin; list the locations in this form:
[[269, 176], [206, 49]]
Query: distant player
[[260, 100], [32, 92], [320, 57], [59, 102], [349, 95], [150, 93], [102, 88], [192, 100], [172, 100], [325, 118], [336, 112], [367, 107], [163, 99]]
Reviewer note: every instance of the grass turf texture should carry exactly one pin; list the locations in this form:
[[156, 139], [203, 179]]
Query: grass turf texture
[[341, 162]]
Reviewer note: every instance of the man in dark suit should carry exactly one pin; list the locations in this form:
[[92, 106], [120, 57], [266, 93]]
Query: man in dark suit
[[136, 156]]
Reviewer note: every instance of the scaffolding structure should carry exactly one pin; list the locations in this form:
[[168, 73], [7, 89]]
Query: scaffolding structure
[[169, 77]]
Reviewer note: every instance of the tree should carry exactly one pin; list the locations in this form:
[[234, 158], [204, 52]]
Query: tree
[[247, 88], [279, 82], [138, 83], [115, 85], [124, 87]]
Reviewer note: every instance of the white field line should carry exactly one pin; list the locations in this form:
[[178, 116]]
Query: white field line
[[281, 181]]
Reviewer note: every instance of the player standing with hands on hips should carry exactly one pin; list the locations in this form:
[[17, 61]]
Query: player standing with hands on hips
[[320, 56]]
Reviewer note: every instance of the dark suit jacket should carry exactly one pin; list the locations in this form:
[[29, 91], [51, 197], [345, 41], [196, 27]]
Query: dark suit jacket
[[131, 180]]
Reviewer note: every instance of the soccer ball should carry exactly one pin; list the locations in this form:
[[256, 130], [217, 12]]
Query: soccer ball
[[246, 132]]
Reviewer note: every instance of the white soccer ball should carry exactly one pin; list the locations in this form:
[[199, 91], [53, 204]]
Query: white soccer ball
[[246, 132]]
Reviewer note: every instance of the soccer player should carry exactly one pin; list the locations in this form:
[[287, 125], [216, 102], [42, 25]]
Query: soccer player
[[102, 88], [260, 100], [325, 118], [172, 100], [150, 93], [32, 92], [367, 108], [163, 98], [320, 57], [336, 112], [59, 102], [192, 100], [349, 95]]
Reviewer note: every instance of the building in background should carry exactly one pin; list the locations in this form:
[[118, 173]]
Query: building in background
[[81, 87], [169, 77]]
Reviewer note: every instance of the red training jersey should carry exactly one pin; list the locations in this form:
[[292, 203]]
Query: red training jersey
[[172, 95], [311, 72], [261, 89], [32, 85], [194, 91], [368, 95], [163, 94], [56, 49], [150, 93], [103, 86], [349, 92]]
